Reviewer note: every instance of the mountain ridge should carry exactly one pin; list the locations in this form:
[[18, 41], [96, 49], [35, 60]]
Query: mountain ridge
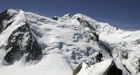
[[68, 40]]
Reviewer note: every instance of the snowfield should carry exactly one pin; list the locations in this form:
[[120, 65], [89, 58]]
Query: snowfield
[[31, 44]]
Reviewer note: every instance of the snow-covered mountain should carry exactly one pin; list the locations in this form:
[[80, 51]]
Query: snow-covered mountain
[[31, 44]]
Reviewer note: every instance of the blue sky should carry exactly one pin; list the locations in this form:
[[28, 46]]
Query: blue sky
[[120, 13]]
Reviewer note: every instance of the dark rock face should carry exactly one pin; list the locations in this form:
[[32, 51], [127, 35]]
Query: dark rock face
[[125, 54], [21, 42], [77, 69], [55, 18], [34, 50], [99, 57], [4, 16], [139, 65], [113, 70]]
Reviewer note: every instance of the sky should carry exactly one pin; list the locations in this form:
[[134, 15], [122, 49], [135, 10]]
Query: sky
[[124, 14]]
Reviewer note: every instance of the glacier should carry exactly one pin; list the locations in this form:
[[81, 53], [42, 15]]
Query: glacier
[[31, 44]]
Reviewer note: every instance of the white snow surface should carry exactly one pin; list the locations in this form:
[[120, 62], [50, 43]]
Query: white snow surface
[[52, 64], [66, 42], [125, 43], [96, 69]]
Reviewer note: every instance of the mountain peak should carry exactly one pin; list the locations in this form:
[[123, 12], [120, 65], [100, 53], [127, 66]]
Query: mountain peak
[[14, 11], [62, 43], [67, 15]]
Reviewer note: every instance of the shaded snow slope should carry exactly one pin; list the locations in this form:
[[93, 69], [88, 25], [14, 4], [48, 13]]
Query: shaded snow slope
[[62, 43]]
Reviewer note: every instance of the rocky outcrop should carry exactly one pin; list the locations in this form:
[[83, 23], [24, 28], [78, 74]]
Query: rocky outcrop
[[22, 42], [4, 16], [75, 71], [106, 67], [113, 70]]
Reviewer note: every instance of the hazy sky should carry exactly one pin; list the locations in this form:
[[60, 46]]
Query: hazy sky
[[120, 13]]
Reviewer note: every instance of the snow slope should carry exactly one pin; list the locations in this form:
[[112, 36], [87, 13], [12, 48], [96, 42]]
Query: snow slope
[[63, 43], [125, 47], [97, 69]]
